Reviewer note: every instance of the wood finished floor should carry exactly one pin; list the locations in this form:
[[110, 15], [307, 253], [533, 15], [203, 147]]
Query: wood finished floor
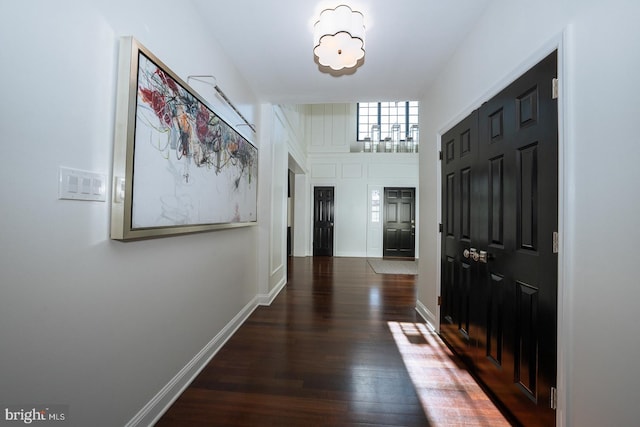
[[339, 346]]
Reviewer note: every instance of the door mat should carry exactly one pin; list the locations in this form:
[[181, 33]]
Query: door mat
[[386, 266]]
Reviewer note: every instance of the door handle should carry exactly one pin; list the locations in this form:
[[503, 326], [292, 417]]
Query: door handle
[[471, 253], [474, 255]]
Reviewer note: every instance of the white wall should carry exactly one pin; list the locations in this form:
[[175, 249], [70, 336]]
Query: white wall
[[330, 132], [293, 119], [352, 175], [331, 128], [284, 126], [281, 137], [97, 324], [302, 216], [600, 200]]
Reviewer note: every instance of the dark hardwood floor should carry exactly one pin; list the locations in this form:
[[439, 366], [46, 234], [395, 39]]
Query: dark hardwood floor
[[340, 346]]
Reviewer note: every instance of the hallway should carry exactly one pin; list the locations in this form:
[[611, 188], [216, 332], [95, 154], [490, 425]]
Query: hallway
[[341, 345]]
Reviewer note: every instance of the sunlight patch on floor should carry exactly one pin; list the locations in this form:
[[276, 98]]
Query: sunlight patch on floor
[[448, 393]]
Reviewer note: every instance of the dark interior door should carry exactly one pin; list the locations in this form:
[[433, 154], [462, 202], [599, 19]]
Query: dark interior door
[[323, 221], [513, 176], [399, 233], [459, 148]]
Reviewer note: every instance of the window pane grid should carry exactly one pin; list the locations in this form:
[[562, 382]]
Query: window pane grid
[[386, 114]]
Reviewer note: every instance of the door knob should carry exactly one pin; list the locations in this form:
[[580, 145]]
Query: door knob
[[471, 253]]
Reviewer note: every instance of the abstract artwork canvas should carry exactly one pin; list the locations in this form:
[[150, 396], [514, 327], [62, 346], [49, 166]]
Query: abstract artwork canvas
[[178, 167]]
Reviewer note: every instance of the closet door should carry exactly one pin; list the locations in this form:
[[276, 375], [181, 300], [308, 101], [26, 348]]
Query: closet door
[[459, 160], [510, 259], [518, 179]]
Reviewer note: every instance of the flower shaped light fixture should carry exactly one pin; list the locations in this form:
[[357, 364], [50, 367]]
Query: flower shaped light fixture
[[339, 38]]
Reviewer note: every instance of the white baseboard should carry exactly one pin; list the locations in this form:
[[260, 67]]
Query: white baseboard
[[267, 299], [350, 254], [427, 315], [160, 403]]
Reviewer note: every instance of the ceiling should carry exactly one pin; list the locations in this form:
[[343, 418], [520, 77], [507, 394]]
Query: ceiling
[[407, 43]]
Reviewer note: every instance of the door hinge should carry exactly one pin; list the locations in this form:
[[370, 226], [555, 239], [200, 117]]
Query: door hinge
[[554, 88], [440, 228], [439, 155], [554, 398], [439, 300], [555, 242]]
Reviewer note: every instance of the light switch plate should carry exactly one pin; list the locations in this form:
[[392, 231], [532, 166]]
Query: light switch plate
[[75, 184]]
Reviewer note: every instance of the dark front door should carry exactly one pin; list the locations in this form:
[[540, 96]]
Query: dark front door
[[323, 221], [399, 222], [508, 256]]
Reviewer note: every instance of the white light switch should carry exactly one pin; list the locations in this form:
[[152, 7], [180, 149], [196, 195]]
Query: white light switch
[[86, 185], [74, 184], [98, 185]]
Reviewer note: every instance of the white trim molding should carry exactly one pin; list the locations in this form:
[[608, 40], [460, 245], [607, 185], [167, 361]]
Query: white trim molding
[[267, 299], [427, 315], [160, 403]]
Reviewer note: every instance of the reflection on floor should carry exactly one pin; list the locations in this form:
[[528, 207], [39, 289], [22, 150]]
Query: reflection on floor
[[449, 395]]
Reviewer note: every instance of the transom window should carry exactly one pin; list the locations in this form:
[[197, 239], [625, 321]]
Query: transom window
[[386, 115]]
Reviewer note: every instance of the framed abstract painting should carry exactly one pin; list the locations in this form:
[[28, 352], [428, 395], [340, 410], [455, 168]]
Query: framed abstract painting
[[178, 167]]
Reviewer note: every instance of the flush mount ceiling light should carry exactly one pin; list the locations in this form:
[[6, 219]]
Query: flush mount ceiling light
[[339, 38]]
